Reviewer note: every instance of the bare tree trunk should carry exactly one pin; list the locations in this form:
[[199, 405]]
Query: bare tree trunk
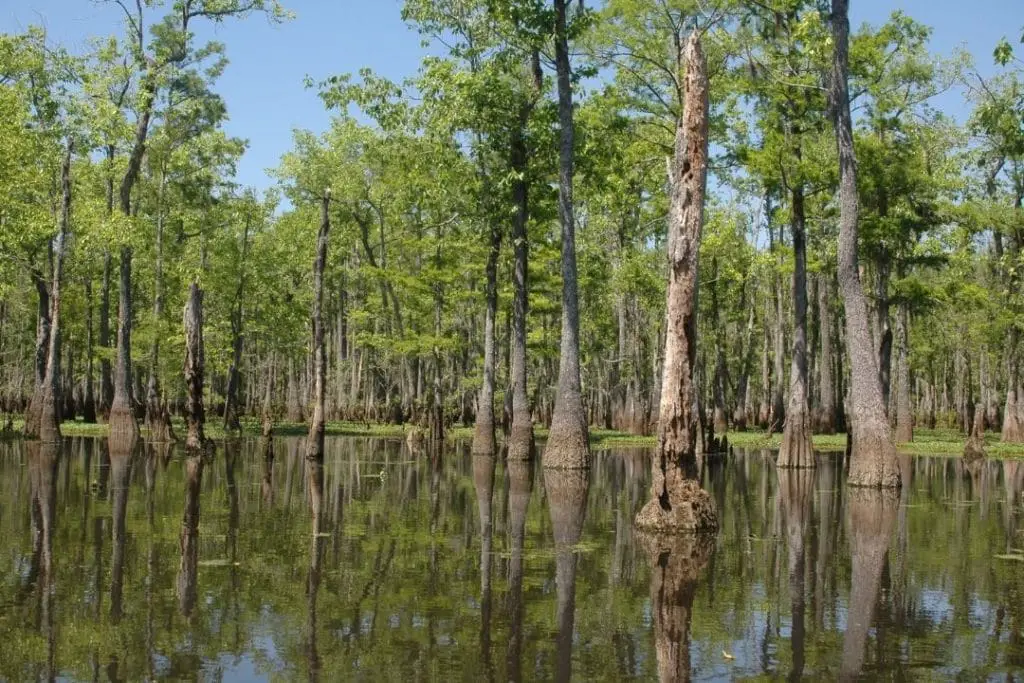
[[797, 449], [872, 453], [826, 366], [884, 340], [315, 439], [568, 443], [483, 430], [195, 369], [677, 501], [904, 411], [44, 413], [1013, 429]]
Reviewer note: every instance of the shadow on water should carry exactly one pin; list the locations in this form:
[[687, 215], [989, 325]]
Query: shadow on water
[[398, 563]]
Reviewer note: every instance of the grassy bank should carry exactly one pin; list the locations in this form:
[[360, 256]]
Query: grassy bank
[[926, 441]]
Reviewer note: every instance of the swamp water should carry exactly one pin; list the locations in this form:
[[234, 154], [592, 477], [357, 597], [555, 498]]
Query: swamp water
[[137, 564]]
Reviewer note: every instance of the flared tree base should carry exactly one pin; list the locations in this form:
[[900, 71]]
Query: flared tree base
[[483, 438], [690, 509], [122, 423], [521, 446], [797, 449], [873, 461], [568, 446]]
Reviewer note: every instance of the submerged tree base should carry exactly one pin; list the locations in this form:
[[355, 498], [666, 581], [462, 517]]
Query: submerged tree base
[[690, 509]]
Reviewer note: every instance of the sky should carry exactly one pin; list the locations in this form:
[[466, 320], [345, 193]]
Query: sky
[[263, 84]]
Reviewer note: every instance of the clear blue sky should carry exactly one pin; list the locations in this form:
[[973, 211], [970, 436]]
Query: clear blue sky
[[263, 85]]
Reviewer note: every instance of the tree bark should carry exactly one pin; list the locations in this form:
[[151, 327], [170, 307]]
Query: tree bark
[[315, 439], [568, 444], [872, 453], [89, 404], [904, 410], [677, 501], [231, 409], [520, 440], [158, 420], [195, 369], [796, 449], [106, 375], [826, 422], [44, 413], [885, 337]]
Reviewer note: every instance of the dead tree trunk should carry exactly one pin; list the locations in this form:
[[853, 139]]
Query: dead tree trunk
[[872, 453], [195, 368], [797, 449], [44, 413], [677, 501], [315, 440]]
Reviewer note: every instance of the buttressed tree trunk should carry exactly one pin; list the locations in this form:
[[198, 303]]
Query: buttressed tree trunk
[[195, 416], [483, 430], [568, 443], [677, 501], [796, 449], [872, 452], [44, 413], [315, 440]]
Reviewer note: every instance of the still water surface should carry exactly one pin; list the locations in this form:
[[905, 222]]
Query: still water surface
[[133, 563]]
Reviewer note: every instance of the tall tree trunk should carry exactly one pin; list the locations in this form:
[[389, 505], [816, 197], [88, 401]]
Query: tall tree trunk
[[884, 340], [520, 440], [315, 440], [677, 501], [231, 408], [568, 443], [195, 369], [44, 413], [797, 449], [777, 420], [89, 404], [158, 421], [826, 422], [106, 375], [904, 410], [872, 453], [1013, 429]]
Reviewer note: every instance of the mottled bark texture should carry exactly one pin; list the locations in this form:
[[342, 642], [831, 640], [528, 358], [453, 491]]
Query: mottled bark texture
[[871, 518], [677, 501], [43, 417], [568, 444], [315, 439], [567, 503], [195, 369], [677, 563], [796, 449], [872, 452]]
